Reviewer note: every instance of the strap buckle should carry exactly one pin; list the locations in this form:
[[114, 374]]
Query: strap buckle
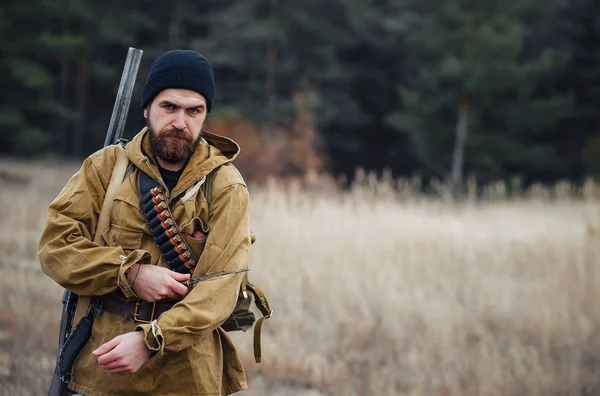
[[136, 312]]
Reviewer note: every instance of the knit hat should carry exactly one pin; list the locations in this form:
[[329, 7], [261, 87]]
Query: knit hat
[[180, 69]]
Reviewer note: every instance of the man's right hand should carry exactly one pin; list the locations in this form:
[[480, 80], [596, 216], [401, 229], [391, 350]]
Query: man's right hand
[[153, 283]]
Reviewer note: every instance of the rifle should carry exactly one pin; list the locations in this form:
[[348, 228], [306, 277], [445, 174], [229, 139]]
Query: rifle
[[61, 377]]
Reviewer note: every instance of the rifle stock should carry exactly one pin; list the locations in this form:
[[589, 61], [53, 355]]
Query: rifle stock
[[58, 386], [69, 301]]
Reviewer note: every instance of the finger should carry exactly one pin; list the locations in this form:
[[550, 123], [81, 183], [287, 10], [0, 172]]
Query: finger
[[108, 358], [107, 346], [115, 365], [178, 276], [169, 294], [179, 289]]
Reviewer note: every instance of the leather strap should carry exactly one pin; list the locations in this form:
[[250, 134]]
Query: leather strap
[[115, 182], [138, 310], [117, 177], [257, 347], [263, 305]]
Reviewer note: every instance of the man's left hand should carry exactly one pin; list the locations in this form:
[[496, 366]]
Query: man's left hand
[[124, 354]]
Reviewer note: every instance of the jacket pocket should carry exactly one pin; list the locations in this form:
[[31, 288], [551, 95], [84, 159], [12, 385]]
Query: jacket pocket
[[127, 238], [195, 224], [196, 244]]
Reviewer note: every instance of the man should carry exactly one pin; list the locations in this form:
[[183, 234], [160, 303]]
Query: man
[[178, 348]]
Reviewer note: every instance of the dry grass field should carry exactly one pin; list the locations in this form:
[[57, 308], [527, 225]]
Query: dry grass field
[[375, 291]]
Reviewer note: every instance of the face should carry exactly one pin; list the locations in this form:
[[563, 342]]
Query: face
[[175, 119]]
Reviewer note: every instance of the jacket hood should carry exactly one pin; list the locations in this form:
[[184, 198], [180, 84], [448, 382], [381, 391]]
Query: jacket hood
[[212, 152]]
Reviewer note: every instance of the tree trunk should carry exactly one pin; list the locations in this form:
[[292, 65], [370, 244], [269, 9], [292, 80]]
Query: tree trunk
[[63, 133], [272, 61], [462, 122], [458, 155], [83, 81]]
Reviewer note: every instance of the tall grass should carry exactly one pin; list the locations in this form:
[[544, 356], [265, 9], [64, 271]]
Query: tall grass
[[376, 291]]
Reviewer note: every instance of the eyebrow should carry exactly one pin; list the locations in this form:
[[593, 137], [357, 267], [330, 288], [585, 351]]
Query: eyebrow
[[166, 102]]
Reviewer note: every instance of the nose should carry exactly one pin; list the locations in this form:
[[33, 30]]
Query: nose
[[179, 121]]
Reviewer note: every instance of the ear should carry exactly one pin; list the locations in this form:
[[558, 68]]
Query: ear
[[146, 112]]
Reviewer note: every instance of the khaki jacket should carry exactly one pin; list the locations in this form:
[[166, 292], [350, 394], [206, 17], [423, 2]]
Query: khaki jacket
[[194, 356]]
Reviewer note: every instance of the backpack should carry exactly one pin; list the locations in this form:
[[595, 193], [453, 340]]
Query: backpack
[[242, 318]]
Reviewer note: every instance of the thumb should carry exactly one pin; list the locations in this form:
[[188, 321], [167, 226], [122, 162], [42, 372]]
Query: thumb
[[178, 276], [107, 346]]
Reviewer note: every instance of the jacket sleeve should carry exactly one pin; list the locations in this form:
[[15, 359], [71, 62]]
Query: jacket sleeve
[[66, 249], [210, 302]]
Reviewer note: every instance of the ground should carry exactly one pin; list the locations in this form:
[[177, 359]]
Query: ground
[[376, 291]]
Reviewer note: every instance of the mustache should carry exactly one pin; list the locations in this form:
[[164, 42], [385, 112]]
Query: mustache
[[178, 133]]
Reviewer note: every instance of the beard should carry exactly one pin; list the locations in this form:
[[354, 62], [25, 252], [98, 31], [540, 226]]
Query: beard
[[170, 150]]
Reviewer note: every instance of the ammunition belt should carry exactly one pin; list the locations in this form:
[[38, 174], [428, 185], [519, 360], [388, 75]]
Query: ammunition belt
[[163, 227]]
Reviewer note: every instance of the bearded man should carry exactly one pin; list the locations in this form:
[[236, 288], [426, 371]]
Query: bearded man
[[174, 345]]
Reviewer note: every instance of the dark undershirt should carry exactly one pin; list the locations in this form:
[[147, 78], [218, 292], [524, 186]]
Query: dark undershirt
[[169, 177]]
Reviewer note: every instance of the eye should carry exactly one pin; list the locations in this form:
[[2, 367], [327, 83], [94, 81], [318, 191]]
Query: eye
[[195, 110], [169, 107]]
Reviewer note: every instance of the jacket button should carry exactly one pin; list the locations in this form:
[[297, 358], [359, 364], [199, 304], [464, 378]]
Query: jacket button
[[114, 238]]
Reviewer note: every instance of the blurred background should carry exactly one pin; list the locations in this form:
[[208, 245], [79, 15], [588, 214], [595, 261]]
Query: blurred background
[[422, 173], [430, 88]]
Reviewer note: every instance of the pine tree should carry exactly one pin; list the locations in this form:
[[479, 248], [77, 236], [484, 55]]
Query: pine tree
[[29, 107], [471, 100]]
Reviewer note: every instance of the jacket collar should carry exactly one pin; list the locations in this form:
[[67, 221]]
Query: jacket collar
[[212, 152]]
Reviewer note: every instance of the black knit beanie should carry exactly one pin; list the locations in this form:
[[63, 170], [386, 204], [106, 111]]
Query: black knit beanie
[[180, 69]]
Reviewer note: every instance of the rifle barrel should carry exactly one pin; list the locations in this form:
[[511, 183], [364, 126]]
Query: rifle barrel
[[123, 99]]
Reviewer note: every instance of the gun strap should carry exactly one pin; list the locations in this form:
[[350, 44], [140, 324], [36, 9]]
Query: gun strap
[[120, 170], [163, 227], [116, 178]]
